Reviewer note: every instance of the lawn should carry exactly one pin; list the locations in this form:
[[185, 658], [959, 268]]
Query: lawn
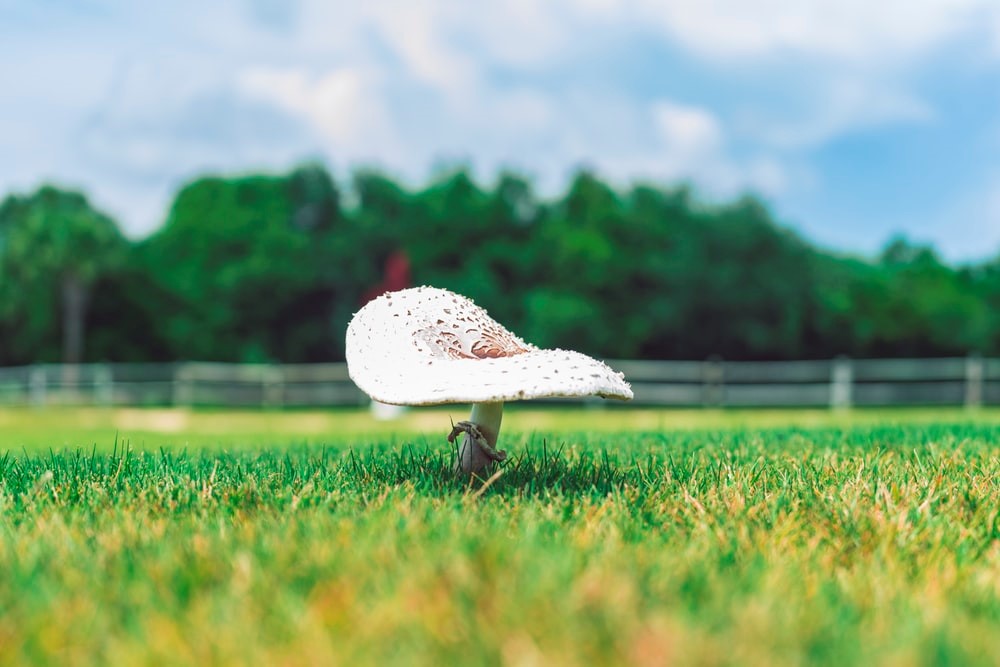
[[610, 537]]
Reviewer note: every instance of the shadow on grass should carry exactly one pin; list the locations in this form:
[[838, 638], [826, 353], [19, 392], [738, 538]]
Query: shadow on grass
[[302, 474], [536, 469]]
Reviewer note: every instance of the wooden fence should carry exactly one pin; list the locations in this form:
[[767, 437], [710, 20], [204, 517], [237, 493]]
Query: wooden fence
[[837, 383]]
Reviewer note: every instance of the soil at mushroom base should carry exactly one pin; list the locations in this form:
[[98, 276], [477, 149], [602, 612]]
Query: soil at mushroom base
[[430, 346]]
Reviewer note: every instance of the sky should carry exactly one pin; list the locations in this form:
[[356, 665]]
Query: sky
[[855, 120]]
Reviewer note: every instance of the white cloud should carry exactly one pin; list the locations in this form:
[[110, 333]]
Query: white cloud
[[877, 33], [344, 104], [522, 33], [145, 97], [841, 106], [686, 130], [689, 143], [414, 30], [525, 111]]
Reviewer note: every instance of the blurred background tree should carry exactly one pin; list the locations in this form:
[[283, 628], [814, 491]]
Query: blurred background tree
[[257, 268], [54, 248], [271, 268]]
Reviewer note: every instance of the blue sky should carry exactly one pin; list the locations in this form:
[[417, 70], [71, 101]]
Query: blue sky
[[855, 120]]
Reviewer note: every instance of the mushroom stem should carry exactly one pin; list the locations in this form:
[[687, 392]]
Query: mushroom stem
[[474, 455]]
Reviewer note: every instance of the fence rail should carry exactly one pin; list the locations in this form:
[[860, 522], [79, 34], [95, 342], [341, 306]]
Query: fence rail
[[835, 383]]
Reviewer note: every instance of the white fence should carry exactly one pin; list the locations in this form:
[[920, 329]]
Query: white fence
[[837, 383]]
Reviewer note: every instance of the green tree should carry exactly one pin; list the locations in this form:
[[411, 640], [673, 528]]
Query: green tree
[[273, 267], [465, 238], [577, 276], [54, 248], [905, 303], [984, 279], [455, 234], [256, 268]]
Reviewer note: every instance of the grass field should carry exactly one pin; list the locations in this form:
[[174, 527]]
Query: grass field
[[610, 537]]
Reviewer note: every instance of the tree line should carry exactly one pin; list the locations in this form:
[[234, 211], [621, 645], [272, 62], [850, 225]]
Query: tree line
[[271, 268]]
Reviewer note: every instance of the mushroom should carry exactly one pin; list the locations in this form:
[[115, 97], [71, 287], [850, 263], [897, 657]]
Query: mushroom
[[429, 346]]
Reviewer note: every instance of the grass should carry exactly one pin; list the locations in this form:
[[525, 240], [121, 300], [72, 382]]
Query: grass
[[151, 429], [834, 539]]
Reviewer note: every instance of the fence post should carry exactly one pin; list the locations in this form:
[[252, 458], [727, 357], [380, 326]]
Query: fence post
[[712, 390], [182, 386], [974, 372], [274, 386], [36, 386], [841, 384], [104, 388]]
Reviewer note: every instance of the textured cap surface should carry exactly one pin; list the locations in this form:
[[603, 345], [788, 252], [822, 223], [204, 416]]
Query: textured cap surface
[[426, 346]]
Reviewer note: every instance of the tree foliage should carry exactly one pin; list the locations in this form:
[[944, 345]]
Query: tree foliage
[[271, 268], [54, 247]]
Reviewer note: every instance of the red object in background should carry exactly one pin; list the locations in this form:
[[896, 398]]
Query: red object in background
[[395, 276]]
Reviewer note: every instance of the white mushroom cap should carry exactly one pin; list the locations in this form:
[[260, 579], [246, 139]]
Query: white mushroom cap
[[427, 346]]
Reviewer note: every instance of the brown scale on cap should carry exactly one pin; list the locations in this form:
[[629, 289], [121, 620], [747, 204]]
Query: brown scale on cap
[[485, 341]]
